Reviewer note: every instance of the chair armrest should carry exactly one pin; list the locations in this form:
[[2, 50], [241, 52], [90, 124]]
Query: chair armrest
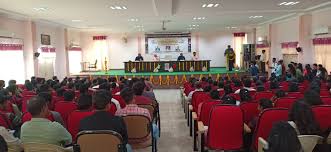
[[194, 116], [201, 127]]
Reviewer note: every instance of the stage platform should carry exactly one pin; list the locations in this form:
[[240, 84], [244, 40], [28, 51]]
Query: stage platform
[[164, 79]]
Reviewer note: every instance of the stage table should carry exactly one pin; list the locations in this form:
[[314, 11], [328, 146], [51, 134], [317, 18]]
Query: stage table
[[178, 66]]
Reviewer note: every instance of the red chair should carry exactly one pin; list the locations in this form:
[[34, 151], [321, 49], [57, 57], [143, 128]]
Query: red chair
[[4, 121], [74, 119], [28, 93], [323, 116], [325, 93], [25, 102], [199, 97], [21, 86], [252, 94], [120, 100], [205, 111], [112, 108], [65, 108], [27, 117], [326, 100], [264, 124], [250, 110], [285, 102], [264, 94], [114, 91], [224, 132], [295, 95], [221, 93]]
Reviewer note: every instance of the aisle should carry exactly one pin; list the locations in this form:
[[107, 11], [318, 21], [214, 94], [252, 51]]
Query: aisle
[[175, 134]]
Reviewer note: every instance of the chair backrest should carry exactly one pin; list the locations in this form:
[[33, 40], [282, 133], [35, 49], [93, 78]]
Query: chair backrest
[[65, 108], [138, 126], [308, 142], [38, 147], [25, 100], [226, 128], [150, 108], [205, 111], [28, 93], [264, 124], [326, 100], [250, 110], [100, 141], [323, 116], [285, 102], [295, 95], [74, 119], [4, 121], [120, 100], [199, 97], [264, 94], [325, 93]]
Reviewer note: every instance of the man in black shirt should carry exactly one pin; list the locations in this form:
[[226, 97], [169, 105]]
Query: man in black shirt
[[102, 119], [139, 58], [181, 57]]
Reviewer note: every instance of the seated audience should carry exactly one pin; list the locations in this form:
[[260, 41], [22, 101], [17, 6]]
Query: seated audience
[[40, 129], [301, 118], [283, 138], [227, 91], [132, 109], [263, 104], [84, 103], [312, 98], [102, 119], [138, 88], [247, 85], [10, 139], [2, 84]]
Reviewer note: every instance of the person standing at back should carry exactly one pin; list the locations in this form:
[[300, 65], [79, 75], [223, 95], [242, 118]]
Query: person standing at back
[[263, 59]]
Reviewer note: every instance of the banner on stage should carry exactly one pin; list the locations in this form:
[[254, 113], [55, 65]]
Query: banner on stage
[[174, 45]]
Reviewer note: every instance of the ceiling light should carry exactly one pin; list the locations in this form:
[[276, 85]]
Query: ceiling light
[[40, 8], [133, 20], [255, 16], [199, 18], [76, 20], [118, 7], [289, 3], [210, 5]]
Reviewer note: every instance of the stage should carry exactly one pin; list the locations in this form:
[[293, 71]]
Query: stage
[[164, 79]]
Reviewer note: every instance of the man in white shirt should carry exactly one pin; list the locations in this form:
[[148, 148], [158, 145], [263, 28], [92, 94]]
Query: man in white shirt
[[263, 59], [274, 65], [195, 56], [156, 58], [198, 87]]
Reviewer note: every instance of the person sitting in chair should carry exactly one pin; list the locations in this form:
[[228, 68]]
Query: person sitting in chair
[[181, 57]]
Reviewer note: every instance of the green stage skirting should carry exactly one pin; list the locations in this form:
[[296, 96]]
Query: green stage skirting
[[122, 73]]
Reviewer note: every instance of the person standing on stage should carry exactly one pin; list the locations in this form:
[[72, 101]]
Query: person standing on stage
[[181, 57], [263, 59], [230, 57], [195, 56], [156, 58], [139, 57]]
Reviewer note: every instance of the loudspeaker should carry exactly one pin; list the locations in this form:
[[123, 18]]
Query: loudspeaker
[[36, 54], [299, 49]]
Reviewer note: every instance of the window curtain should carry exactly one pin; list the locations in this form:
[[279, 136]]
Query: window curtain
[[75, 58], [322, 48], [289, 47], [101, 47], [239, 40], [12, 60]]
